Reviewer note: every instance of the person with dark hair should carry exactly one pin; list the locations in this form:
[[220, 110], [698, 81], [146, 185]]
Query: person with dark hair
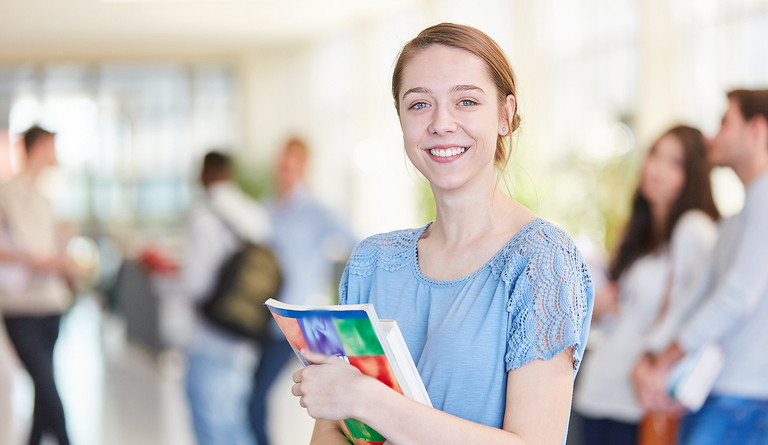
[[729, 307], [493, 302], [33, 312], [665, 246], [219, 364], [309, 239]]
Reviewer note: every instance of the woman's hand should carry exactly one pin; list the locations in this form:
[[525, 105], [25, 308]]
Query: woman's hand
[[650, 382], [330, 388], [644, 383]]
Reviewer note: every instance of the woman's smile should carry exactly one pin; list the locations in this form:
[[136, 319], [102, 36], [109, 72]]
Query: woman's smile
[[446, 153]]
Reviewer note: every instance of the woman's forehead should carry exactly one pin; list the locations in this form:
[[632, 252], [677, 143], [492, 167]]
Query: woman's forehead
[[445, 67]]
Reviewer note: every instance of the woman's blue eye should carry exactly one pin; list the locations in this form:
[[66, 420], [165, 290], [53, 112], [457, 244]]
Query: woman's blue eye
[[467, 102], [418, 106]]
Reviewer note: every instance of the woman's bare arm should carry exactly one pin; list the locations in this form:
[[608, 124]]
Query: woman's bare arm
[[327, 432], [537, 407]]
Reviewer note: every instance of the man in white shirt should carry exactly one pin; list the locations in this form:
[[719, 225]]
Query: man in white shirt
[[32, 308], [220, 365], [733, 308]]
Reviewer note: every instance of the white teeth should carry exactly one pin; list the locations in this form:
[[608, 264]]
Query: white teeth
[[447, 153]]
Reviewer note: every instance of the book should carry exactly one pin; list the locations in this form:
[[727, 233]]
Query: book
[[691, 380], [356, 334]]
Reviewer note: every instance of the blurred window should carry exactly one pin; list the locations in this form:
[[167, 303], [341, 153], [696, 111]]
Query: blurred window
[[128, 136]]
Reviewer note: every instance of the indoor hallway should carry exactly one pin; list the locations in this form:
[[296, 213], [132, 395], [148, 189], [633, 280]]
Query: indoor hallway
[[115, 393]]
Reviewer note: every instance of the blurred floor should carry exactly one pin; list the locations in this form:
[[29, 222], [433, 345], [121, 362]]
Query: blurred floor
[[115, 393]]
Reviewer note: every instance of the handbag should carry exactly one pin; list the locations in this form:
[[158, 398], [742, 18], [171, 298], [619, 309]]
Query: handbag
[[658, 429]]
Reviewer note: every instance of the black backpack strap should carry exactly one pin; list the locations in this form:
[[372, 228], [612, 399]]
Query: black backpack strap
[[230, 227]]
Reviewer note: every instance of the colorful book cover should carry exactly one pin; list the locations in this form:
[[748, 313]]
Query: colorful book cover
[[354, 333]]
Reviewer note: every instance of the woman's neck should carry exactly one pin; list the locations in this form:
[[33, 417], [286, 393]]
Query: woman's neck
[[659, 215], [474, 211]]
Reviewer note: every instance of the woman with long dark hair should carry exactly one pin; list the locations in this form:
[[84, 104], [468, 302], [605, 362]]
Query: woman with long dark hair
[[667, 241]]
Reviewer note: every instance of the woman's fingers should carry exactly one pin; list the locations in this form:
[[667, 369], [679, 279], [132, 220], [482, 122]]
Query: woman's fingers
[[325, 387], [640, 379], [316, 357], [297, 376], [296, 390]]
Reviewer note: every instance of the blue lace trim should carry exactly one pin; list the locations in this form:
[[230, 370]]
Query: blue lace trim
[[548, 282]]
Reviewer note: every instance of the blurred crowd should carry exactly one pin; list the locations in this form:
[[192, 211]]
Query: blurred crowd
[[684, 289], [227, 375], [681, 282]]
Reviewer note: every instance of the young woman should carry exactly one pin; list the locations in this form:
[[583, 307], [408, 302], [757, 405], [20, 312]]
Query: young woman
[[494, 303], [667, 241]]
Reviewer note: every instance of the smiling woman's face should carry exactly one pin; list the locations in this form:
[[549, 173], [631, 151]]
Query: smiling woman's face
[[450, 115], [663, 173]]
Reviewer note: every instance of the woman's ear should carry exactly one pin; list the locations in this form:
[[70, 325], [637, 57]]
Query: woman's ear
[[507, 113]]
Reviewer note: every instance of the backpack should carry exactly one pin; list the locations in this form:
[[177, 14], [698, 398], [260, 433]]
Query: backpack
[[248, 277]]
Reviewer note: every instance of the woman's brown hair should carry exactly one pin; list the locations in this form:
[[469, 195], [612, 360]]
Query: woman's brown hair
[[480, 45], [639, 237]]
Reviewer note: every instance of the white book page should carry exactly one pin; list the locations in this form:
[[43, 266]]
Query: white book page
[[692, 379], [413, 385]]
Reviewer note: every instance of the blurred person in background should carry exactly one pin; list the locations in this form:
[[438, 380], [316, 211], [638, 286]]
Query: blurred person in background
[[309, 240], [665, 245], [36, 294], [220, 365], [730, 304], [7, 366]]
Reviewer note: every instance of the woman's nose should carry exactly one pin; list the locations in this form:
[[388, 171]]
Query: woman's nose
[[443, 120]]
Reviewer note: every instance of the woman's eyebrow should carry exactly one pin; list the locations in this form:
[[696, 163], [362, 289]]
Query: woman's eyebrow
[[467, 88], [416, 90], [457, 88]]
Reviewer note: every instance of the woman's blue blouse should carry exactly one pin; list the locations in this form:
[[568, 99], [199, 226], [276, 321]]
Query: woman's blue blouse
[[532, 300]]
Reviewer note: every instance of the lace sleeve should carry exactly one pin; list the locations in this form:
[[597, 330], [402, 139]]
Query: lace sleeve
[[386, 251], [550, 302], [389, 251]]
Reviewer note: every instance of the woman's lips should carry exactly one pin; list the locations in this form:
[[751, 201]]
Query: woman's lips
[[446, 153]]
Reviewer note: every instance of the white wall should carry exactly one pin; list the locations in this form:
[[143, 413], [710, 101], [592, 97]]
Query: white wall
[[585, 68], [336, 93]]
